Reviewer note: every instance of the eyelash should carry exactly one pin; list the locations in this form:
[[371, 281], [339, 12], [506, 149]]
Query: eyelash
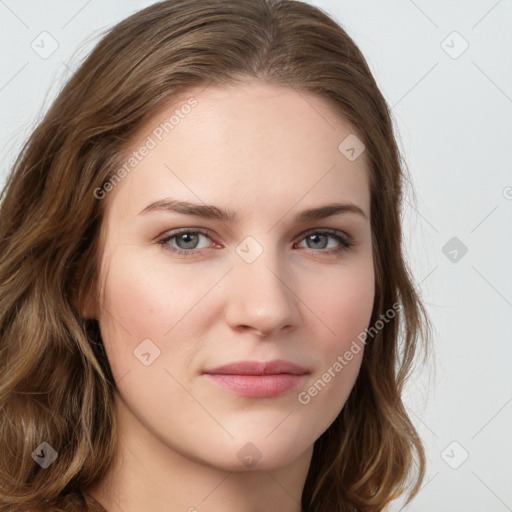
[[345, 242]]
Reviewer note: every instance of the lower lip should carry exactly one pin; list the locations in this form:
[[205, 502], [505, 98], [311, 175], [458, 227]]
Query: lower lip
[[257, 386]]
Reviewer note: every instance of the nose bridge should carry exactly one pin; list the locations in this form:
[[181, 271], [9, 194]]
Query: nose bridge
[[262, 298]]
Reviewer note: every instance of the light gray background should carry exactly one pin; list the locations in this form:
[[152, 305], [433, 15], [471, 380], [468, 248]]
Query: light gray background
[[453, 115]]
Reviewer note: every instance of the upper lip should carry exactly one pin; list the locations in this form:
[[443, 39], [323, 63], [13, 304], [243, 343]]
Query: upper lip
[[274, 367]]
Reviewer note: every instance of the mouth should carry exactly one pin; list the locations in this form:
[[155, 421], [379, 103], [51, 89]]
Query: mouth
[[257, 379]]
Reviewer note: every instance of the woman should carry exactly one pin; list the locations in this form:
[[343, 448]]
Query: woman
[[173, 338]]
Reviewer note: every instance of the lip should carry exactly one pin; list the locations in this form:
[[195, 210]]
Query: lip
[[257, 379], [275, 367]]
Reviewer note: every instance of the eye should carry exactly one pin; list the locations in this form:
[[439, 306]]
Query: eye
[[185, 241], [319, 240]]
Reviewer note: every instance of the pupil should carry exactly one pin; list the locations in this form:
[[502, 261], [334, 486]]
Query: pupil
[[183, 237], [315, 238]]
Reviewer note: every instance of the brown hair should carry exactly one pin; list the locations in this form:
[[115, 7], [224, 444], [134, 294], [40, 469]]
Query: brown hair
[[56, 385]]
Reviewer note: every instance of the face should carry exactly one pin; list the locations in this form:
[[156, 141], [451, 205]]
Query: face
[[182, 292]]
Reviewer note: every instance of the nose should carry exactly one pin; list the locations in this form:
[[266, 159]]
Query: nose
[[261, 297]]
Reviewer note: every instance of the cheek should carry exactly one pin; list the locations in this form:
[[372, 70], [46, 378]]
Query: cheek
[[346, 307], [137, 305], [345, 304], [144, 299]]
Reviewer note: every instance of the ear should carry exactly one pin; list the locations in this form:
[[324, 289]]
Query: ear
[[88, 309], [86, 303]]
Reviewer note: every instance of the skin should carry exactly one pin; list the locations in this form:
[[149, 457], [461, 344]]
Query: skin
[[266, 153]]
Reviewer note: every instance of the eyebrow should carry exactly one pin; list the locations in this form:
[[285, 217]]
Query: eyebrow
[[213, 212]]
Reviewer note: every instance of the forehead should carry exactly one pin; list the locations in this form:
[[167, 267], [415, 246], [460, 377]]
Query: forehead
[[255, 140]]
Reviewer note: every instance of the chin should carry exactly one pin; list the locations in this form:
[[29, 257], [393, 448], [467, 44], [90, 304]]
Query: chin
[[259, 454]]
